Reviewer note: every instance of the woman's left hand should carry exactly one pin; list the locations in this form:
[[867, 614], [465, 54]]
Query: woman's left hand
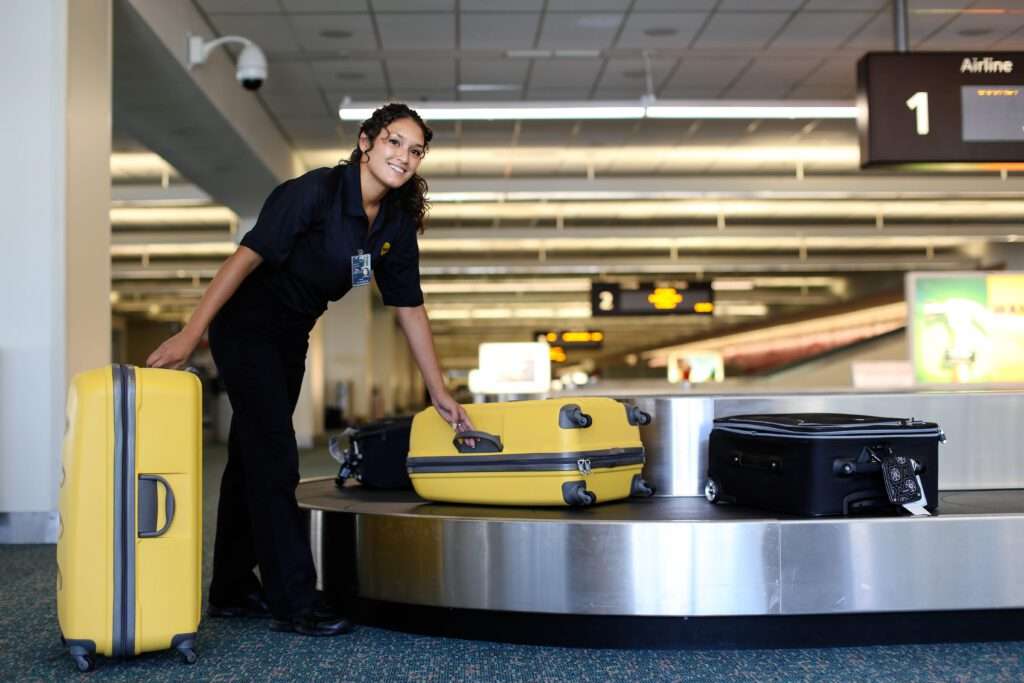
[[452, 413]]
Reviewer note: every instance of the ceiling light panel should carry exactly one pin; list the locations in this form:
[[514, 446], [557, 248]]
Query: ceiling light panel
[[624, 109], [560, 159], [506, 286], [942, 211], [176, 216], [430, 245], [192, 249], [128, 165]]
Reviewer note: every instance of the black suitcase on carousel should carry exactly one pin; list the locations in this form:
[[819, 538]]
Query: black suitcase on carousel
[[376, 454], [824, 463]]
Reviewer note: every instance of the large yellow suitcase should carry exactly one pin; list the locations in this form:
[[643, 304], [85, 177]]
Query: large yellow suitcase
[[129, 548], [574, 451]]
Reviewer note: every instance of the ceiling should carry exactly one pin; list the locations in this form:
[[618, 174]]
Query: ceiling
[[526, 214]]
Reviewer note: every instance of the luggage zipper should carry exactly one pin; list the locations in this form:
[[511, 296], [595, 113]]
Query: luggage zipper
[[760, 429]]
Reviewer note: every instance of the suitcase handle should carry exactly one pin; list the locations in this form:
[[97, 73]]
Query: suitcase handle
[[485, 443], [148, 504]]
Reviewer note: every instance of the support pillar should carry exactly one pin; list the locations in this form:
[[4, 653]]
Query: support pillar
[[55, 269]]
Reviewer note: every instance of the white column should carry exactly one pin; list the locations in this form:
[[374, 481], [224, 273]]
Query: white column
[[347, 340], [55, 269], [382, 359], [308, 418]]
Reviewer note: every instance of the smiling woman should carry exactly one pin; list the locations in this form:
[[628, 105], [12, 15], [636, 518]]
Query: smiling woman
[[403, 140], [317, 237]]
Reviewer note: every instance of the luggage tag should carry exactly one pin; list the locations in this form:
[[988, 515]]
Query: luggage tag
[[348, 458], [903, 484], [361, 269]]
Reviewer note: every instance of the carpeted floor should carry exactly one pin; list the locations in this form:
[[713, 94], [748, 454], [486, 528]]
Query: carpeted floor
[[244, 650]]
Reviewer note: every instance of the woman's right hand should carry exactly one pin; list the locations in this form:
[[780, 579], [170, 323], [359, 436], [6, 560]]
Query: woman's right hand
[[174, 352]]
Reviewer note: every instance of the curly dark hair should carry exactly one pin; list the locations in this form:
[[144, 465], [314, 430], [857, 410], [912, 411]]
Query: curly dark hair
[[411, 196]]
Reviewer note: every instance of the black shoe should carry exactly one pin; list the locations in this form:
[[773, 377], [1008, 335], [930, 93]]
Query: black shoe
[[251, 605], [312, 621]]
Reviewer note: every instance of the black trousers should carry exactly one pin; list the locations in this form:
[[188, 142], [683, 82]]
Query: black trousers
[[260, 347]]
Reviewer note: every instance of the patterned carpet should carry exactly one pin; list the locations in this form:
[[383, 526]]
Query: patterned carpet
[[245, 650]]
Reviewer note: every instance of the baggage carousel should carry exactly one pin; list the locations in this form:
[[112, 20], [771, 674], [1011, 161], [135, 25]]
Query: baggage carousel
[[677, 555]]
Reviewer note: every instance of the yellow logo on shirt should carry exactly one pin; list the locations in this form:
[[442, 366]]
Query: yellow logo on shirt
[[386, 248]]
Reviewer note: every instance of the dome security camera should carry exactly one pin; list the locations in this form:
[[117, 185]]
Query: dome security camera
[[251, 69]]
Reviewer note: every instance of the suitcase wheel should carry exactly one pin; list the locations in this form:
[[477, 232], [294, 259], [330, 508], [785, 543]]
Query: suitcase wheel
[[575, 494], [84, 663], [637, 417], [185, 644], [572, 417], [640, 488], [711, 491]]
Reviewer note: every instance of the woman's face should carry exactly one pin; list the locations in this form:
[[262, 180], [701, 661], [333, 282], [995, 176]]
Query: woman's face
[[396, 154]]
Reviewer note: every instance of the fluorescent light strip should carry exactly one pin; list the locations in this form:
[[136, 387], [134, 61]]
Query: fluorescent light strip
[[484, 245], [510, 112], [164, 215], [754, 111], [506, 313], [974, 211], [666, 109], [529, 160], [505, 286], [195, 249]]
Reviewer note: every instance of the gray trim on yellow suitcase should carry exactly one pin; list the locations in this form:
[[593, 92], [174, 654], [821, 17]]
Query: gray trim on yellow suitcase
[[526, 462], [124, 509]]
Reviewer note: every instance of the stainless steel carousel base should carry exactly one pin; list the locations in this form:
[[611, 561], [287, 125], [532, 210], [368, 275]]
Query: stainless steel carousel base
[[668, 556]]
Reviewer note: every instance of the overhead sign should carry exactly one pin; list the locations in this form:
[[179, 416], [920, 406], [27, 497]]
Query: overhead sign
[[683, 298], [940, 107], [572, 339]]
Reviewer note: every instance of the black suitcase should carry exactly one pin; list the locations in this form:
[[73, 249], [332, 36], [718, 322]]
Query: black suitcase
[[376, 454], [824, 463]]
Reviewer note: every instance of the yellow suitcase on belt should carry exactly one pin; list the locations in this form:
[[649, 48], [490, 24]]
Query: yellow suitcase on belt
[[574, 451], [129, 549]]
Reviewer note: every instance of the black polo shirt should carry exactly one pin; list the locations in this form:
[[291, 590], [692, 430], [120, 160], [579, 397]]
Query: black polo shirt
[[311, 226]]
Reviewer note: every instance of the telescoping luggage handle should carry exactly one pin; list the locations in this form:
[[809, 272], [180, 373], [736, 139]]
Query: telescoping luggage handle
[[148, 506]]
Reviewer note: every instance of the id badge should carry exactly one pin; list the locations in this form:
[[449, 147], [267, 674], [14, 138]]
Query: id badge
[[360, 270]]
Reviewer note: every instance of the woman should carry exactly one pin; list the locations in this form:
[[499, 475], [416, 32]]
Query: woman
[[317, 236]]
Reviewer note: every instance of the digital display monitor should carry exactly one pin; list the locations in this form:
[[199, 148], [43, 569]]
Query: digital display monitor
[[966, 328], [513, 368], [992, 113]]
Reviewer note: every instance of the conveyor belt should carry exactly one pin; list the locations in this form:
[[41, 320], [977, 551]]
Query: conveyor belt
[[668, 556]]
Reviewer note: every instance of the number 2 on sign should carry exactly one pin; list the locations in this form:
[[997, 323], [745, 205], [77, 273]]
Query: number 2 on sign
[[919, 105]]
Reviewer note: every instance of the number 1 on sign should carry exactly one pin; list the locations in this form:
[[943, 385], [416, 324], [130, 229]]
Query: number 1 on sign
[[919, 105]]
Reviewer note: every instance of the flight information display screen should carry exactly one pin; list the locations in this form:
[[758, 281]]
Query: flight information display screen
[[940, 107], [992, 113], [681, 298]]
